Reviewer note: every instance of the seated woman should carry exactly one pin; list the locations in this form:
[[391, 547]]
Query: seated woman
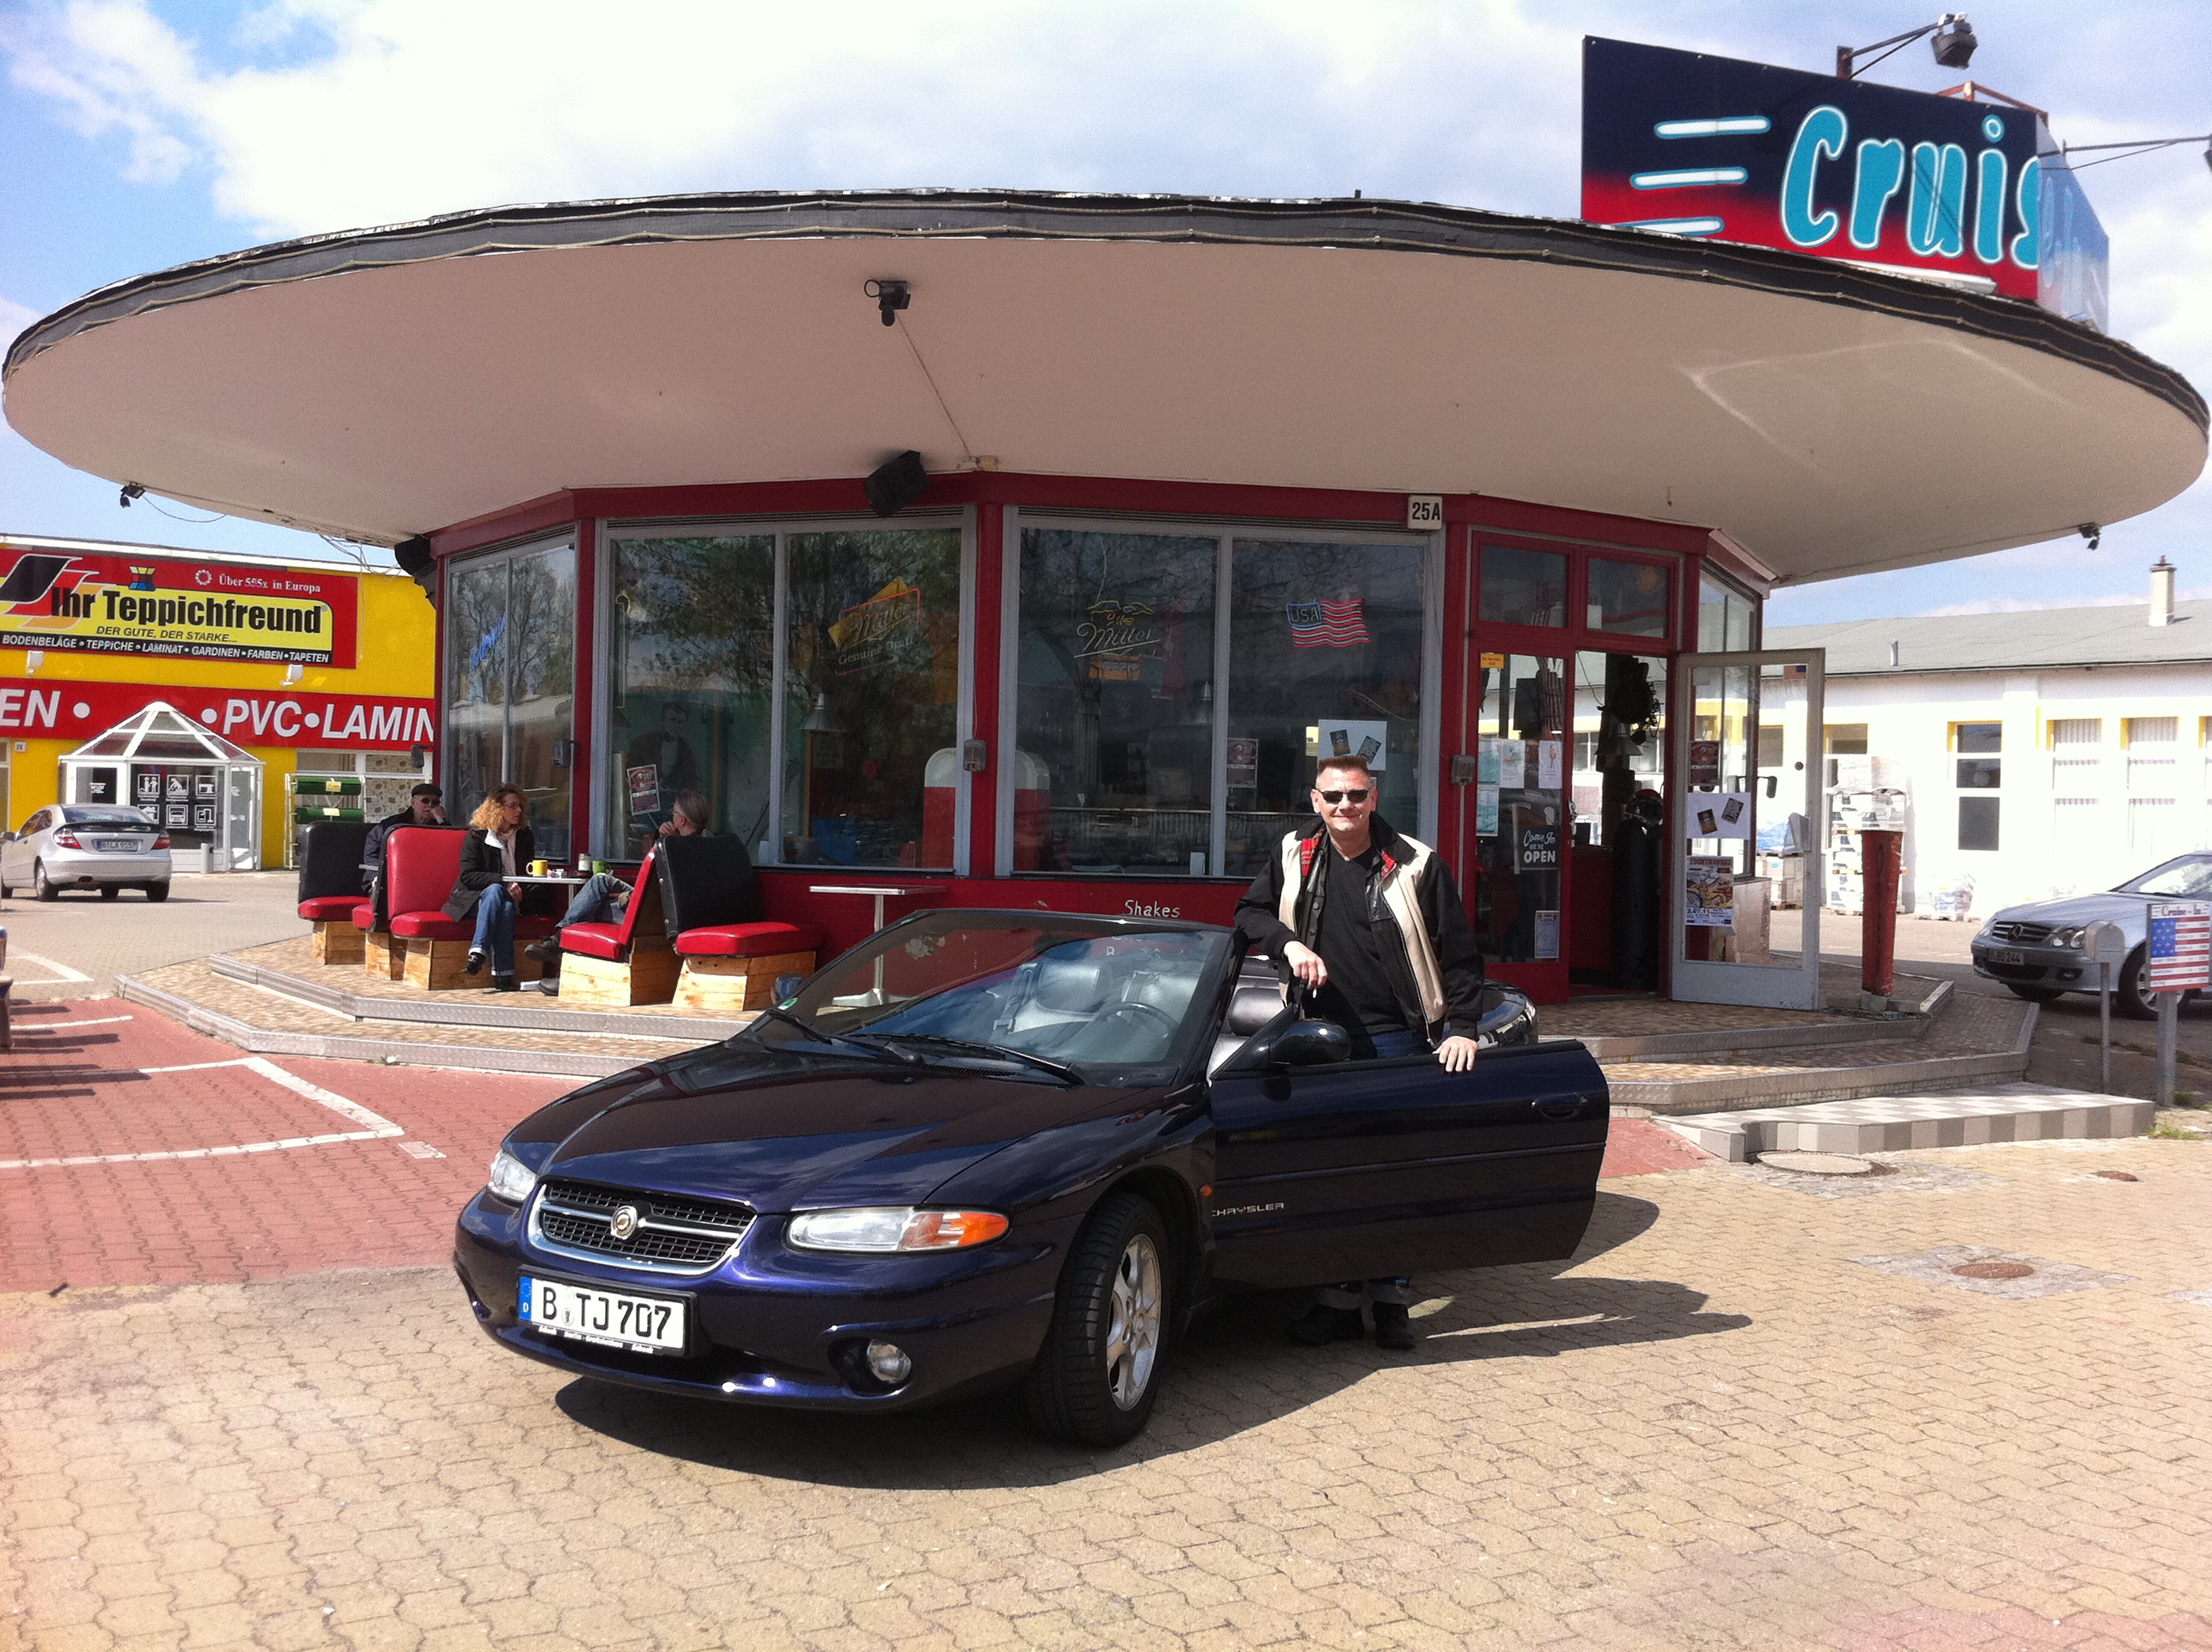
[[498, 846], [604, 895]]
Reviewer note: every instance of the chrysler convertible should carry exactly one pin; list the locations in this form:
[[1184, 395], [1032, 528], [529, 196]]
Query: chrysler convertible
[[985, 1149]]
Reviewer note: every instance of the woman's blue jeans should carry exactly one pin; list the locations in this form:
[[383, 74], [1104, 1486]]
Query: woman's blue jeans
[[495, 928]]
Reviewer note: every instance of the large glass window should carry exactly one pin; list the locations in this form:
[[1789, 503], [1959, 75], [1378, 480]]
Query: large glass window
[[1523, 587], [1325, 660], [1115, 710], [692, 638], [864, 626], [1629, 598], [510, 683], [1135, 756], [872, 689], [1724, 618]]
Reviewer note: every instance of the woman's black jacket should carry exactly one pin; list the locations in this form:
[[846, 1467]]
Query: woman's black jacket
[[482, 866]]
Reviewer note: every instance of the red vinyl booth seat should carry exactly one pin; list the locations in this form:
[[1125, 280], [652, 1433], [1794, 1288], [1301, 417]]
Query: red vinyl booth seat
[[329, 909], [612, 941], [421, 866], [364, 917], [761, 940]]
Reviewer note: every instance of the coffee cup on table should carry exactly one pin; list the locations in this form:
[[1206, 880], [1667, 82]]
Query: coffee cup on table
[[538, 868]]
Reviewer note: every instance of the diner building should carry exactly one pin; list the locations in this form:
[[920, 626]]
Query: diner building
[[1033, 550]]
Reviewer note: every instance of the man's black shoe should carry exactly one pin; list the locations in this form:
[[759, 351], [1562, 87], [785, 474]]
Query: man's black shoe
[[545, 951], [1394, 1327], [476, 963], [505, 984], [1322, 1326]]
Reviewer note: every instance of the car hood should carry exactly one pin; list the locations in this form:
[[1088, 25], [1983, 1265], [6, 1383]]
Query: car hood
[[2123, 910], [780, 1133]]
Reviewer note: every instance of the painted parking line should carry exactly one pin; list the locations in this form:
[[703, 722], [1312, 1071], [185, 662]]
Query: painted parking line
[[375, 1127], [64, 1026], [62, 972]]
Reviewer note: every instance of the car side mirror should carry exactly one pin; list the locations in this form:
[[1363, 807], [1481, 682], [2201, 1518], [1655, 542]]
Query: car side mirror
[[1310, 1044]]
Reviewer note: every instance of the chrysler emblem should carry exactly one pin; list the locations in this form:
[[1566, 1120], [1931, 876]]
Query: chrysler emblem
[[624, 1223]]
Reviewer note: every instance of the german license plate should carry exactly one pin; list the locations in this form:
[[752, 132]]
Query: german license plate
[[613, 1319], [2008, 955], [124, 843]]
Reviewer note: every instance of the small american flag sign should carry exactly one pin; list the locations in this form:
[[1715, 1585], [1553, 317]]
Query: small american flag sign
[[1329, 624]]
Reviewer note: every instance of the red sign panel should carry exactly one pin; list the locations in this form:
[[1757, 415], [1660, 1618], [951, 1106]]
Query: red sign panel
[[175, 606], [31, 708]]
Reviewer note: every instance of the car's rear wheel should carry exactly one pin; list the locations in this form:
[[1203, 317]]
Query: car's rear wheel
[[157, 891], [2036, 994], [1095, 1380], [39, 886]]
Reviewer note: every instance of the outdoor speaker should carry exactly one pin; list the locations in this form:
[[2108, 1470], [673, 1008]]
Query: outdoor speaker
[[415, 561], [896, 483]]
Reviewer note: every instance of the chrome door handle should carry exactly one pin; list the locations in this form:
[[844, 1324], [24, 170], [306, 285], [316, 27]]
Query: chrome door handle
[[1560, 1107]]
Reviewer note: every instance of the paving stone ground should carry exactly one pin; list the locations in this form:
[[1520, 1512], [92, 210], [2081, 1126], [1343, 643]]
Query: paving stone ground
[[1714, 1429]]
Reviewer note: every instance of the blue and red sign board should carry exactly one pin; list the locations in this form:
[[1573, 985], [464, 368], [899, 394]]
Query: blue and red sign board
[[1694, 145], [2179, 956]]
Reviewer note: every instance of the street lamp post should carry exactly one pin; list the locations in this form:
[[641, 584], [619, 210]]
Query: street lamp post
[[1954, 46]]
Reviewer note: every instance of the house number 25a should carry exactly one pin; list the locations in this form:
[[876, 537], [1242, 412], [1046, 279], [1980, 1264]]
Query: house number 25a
[[1425, 511]]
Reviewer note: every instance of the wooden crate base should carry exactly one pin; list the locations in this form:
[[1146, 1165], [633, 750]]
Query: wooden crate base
[[437, 966], [338, 942], [383, 955], [649, 977], [735, 986]]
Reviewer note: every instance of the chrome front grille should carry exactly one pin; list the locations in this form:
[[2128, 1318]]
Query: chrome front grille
[[672, 1234], [2020, 934]]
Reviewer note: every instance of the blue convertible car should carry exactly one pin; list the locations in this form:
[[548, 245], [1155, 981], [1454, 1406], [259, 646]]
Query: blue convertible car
[[984, 1148]]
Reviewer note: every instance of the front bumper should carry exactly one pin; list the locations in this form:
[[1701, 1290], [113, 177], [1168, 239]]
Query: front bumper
[[2060, 967], [778, 1326]]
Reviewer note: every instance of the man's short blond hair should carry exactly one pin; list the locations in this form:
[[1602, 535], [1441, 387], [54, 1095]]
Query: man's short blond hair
[[1351, 760]]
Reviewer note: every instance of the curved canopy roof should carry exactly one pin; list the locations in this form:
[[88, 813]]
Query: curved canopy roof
[[383, 383], [159, 732]]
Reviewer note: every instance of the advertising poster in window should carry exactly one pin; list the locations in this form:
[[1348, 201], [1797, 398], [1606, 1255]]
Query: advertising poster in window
[[1709, 892], [1550, 774], [1119, 641], [1547, 937], [1485, 811], [1720, 814], [176, 606], [1356, 739]]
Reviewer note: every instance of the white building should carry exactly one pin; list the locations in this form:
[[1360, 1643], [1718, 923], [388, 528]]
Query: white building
[[2044, 753]]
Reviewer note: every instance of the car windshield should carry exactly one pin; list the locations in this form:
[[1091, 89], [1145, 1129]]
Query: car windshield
[[1120, 1005], [2188, 878], [128, 818]]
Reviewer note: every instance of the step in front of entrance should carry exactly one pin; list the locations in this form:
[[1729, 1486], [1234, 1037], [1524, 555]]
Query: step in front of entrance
[[1893, 1123]]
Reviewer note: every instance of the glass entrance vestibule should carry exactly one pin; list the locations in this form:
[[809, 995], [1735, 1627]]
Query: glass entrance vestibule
[[203, 790], [1099, 710]]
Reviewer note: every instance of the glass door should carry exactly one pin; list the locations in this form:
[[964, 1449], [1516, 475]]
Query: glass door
[[1747, 826], [1521, 819]]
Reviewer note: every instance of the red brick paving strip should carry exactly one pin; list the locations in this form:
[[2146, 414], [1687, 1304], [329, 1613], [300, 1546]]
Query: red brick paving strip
[[1635, 1147], [231, 1218]]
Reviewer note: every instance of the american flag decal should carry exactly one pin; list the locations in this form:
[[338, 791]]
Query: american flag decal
[[1328, 624]]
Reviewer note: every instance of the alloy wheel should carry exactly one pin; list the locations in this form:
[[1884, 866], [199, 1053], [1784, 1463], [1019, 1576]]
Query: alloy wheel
[[1133, 1336]]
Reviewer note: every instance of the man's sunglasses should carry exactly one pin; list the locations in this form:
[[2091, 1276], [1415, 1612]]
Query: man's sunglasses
[[1357, 795]]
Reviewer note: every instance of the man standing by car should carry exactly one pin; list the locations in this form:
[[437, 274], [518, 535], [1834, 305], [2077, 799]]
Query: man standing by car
[[1369, 923], [425, 807]]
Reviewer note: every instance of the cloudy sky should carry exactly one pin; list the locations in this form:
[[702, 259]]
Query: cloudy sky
[[140, 133]]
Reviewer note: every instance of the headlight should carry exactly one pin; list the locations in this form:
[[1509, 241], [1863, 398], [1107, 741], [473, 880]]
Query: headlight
[[510, 1178], [895, 1228], [2063, 938]]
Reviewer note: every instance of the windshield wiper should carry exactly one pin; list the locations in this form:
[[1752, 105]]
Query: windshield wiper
[[1059, 1070], [830, 1039]]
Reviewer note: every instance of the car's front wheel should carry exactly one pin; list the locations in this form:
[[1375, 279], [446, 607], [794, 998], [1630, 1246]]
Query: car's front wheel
[[2131, 998], [39, 885], [1094, 1382], [2036, 994]]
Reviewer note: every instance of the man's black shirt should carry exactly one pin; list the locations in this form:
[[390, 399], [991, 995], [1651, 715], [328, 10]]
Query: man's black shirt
[[1359, 997]]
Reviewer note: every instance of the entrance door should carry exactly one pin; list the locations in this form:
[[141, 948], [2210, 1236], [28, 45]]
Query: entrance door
[[1748, 823], [241, 833]]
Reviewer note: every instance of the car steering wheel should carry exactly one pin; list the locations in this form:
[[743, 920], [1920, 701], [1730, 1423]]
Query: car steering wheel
[[1131, 1006]]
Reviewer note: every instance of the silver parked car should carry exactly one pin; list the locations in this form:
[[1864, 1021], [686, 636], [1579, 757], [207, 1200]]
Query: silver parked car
[[2036, 950], [98, 846]]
